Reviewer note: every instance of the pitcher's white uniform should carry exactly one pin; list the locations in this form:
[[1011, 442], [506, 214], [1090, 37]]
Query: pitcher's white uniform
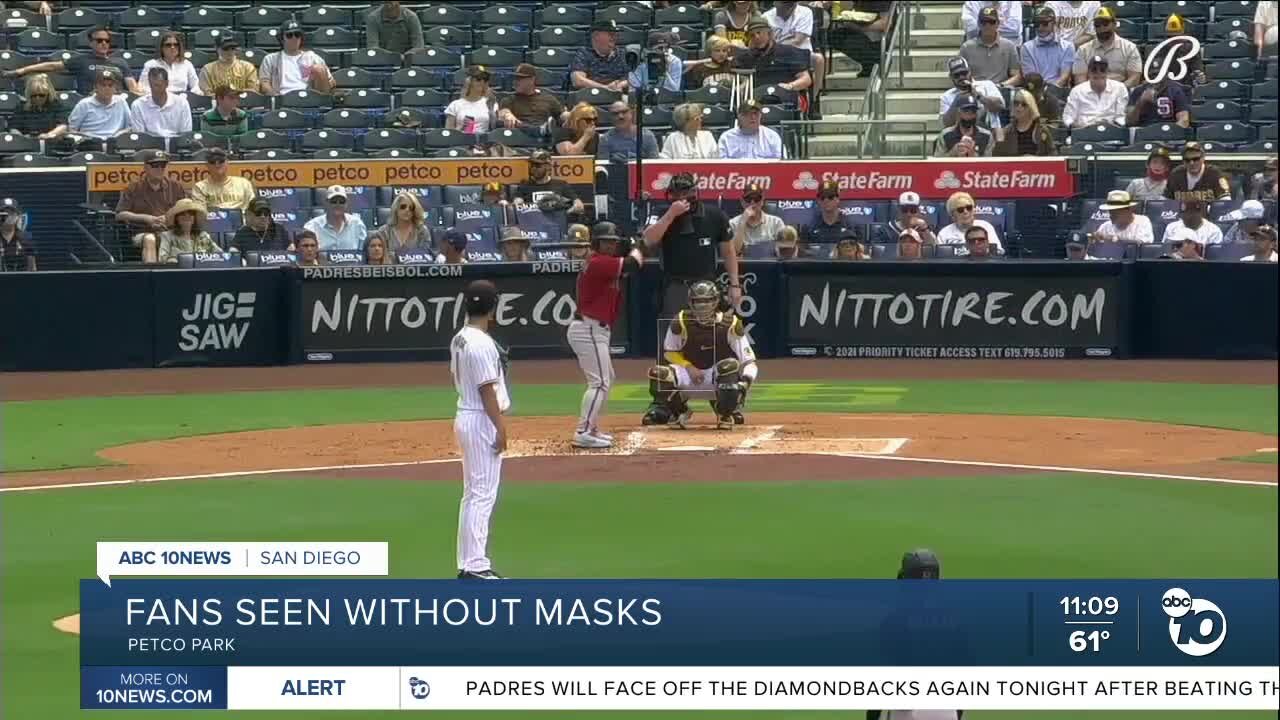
[[474, 362]]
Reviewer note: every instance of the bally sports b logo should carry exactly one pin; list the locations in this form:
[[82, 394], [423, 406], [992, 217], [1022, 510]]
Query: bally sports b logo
[[1172, 56], [1196, 626]]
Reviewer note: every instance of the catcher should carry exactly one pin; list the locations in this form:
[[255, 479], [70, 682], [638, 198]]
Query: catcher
[[708, 351]]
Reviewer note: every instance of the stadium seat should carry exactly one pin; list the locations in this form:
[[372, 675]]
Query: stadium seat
[[495, 57], [795, 213], [326, 16], [633, 15], [1161, 212], [1266, 90], [423, 98], [1110, 250], [1263, 112], [1261, 147], [345, 119], [353, 77], [210, 38], [1243, 70], [514, 138], [334, 39], [359, 198], [334, 154], [140, 17], [539, 226], [445, 15], [503, 37], [712, 95], [428, 196], [1220, 29], [79, 19], [775, 115], [945, 252], [1221, 90], [10, 102], [1218, 111], [595, 96], [397, 153], [265, 139], [717, 116], [1235, 9], [656, 117], [555, 36], [390, 139], [1228, 50], [254, 101], [324, 139], [1225, 132], [343, 257], [460, 195], [202, 16], [134, 59], [262, 16], [34, 41], [415, 77], [1168, 134], [1152, 251], [285, 199], [775, 95], [687, 15], [1267, 132], [220, 221], [132, 142], [1131, 10], [511, 16], [1101, 134], [1186, 9], [84, 158], [566, 14], [10, 60], [267, 38], [285, 120], [376, 59], [304, 100], [366, 99], [269, 155], [33, 160], [448, 37], [437, 139], [1228, 252]]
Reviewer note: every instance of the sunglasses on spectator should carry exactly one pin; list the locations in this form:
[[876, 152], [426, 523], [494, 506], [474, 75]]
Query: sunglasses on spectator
[[910, 209], [753, 200], [338, 201], [170, 44], [293, 34], [1019, 103], [35, 95], [260, 212], [106, 41], [964, 209], [989, 21], [1101, 23], [158, 164], [1043, 23]]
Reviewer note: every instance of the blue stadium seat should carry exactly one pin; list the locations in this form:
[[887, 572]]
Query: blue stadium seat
[[1228, 252], [285, 120], [1161, 212], [1103, 134], [539, 226], [221, 222], [10, 60], [366, 99], [1091, 216], [863, 212], [1218, 110], [566, 14], [656, 117], [325, 16], [482, 244], [1243, 70], [428, 196], [552, 58], [882, 251], [261, 16], [945, 252], [1152, 251], [594, 96], [1228, 50], [359, 198], [712, 95], [1221, 90], [285, 199], [796, 213], [774, 115], [270, 259], [1225, 132], [445, 15], [759, 251], [458, 196], [343, 257], [1267, 132], [514, 138], [998, 213]]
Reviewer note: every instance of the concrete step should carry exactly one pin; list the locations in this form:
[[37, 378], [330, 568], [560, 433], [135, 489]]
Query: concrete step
[[846, 81], [951, 38], [842, 103], [844, 123], [933, 60], [907, 145], [920, 80], [937, 16], [847, 145], [840, 62], [916, 102]]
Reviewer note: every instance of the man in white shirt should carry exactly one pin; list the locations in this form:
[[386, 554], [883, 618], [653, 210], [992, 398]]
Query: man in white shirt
[[479, 375], [292, 68], [162, 113], [963, 85], [1097, 100], [1124, 225], [338, 229], [750, 140], [792, 24], [1264, 245], [1184, 244], [1193, 221], [1075, 20]]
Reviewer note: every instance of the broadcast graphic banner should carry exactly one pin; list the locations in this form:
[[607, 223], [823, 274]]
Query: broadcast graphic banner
[[1028, 177]]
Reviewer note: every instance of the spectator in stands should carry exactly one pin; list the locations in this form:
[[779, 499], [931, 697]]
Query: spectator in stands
[[453, 247], [393, 27], [160, 113], [1184, 245], [309, 249], [749, 140], [1098, 99], [786, 246], [1007, 12], [1195, 178], [225, 118], [475, 111], [1078, 247], [104, 114], [146, 201], [828, 224], [786, 66], [1162, 102], [1177, 26], [42, 116], [169, 55], [689, 141], [406, 228], [990, 56], [731, 22], [493, 195], [909, 218], [578, 236], [618, 144], [1194, 221], [375, 251], [1124, 225], [185, 232], [1047, 100], [1264, 245], [1244, 221], [963, 85], [792, 24], [977, 244], [1075, 20], [1263, 184], [579, 137], [715, 68], [1152, 186], [338, 229], [514, 246], [1264, 29], [229, 70], [966, 138], [16, 250], [857, 30], [909, 245], [602, 64], [1046, 54], [1026, 134], [963, 211], [1124, 61], [529, 107], [673, 76], [222, 190], [541, 184], [85, 66], [260, 231], [849, 247], [291, 68], [754, 226]]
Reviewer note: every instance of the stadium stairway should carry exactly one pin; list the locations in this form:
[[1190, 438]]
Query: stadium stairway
[[935, 37]]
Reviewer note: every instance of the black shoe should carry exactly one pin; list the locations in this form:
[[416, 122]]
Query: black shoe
[[656, 416], [738, 419], [481, 575]]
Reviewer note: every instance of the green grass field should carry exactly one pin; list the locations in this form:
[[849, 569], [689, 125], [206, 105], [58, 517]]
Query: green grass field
[[1031, 526]]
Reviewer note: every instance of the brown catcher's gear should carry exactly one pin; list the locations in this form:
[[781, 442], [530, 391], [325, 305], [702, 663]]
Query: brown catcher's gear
[[707, 344]]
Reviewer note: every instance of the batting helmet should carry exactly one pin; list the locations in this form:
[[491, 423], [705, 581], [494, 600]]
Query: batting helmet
[[920, 564]]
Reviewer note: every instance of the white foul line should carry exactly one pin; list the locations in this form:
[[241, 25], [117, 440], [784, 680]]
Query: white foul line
[[765, 435]]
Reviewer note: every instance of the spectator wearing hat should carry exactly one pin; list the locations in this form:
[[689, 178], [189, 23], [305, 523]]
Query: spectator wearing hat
[[673, 76], [786, 244], [1264, 29], [16, 251], [754, 226], [1008, 14], [749, 139], [1162, 102], [338, 229], [170, 55], [160, 113], [1178, 27], [578, 238], [1078, 247], [792, 24], [618, 144], [309, 249], [1192, 220], [1196, 178], [229, 70], [909, 218], [1124, 225], [689, 141], [145, 202], [990, 56], [391, 26], [514, 246], [260, 232], [964, 215], [1047, 54], [1244, 221], [849, 247], [542, 183], [1152, 186], [1026, 134], [909, 244], [225, 118], [221, 189], [1263, 185], [963, 85], [185, 231], [1124, 60], [529, 107], [475, 111], [87, 66], [579, 135], [453, 247], [1184, 243], [493, 195], [786, 66], [828, 224], [292, 68], [1047, 101], [1264, 244], [406, 228], [977, 243], [602, 64], [966, 138], [1099, 99], [1074, 20], [104, 114]]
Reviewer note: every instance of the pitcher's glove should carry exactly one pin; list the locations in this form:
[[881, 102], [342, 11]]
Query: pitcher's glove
[[504, 357]]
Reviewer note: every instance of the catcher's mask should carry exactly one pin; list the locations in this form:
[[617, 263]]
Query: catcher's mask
[[704, 300]]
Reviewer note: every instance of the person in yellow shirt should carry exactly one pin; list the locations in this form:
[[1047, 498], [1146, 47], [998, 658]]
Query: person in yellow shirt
[[229, 70], [221, 190]]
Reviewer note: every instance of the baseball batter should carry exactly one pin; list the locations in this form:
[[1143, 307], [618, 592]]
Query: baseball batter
[[599, 301], [708, 352], [478, 371]]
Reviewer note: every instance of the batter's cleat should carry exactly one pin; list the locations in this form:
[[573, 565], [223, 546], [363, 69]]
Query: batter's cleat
[[738, 419], [656, 416], [587, 441], [601, 434], [682, 420], [479, 575]]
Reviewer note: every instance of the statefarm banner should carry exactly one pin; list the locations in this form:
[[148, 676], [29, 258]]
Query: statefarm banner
[[1047, 178]]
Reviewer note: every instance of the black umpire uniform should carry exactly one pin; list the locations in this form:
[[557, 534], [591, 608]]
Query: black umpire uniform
[[688, 245]]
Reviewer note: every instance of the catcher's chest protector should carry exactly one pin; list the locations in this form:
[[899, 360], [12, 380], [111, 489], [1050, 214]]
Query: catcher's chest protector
[[705, 345]]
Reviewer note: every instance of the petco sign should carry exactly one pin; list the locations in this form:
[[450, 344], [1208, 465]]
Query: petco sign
[[867, 179]]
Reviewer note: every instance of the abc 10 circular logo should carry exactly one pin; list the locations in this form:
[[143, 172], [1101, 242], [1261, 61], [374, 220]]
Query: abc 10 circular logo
[[1197, 626]]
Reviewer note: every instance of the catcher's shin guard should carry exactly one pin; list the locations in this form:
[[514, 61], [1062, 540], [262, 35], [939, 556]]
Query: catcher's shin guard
[[667, 400], [729, 393]]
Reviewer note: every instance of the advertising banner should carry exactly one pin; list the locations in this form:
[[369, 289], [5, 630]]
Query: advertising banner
[[412, 311], [218, 317], [935, 315], [1047, 178]]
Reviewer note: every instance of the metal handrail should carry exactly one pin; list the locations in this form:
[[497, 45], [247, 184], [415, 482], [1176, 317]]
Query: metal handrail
[[893, 51], [803, 128]]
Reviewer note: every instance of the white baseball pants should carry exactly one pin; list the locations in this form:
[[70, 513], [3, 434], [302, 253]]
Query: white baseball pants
[[481, 474], [590, 342]]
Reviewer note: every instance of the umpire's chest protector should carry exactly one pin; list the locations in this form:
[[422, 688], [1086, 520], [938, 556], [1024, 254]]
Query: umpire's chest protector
[[705, 345]]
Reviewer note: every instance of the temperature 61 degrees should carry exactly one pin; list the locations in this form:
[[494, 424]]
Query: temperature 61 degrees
[[1088, 640]]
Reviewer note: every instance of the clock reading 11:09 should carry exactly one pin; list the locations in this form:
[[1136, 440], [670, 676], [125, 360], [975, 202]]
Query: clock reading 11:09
[[1089, 606]]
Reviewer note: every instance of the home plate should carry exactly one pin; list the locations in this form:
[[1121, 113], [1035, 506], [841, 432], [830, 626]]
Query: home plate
[[688, 448]]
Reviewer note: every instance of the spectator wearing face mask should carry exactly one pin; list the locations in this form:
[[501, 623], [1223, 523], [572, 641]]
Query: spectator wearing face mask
[[965, 139], [1152, 186], [1124, 60], [1046, 54]]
